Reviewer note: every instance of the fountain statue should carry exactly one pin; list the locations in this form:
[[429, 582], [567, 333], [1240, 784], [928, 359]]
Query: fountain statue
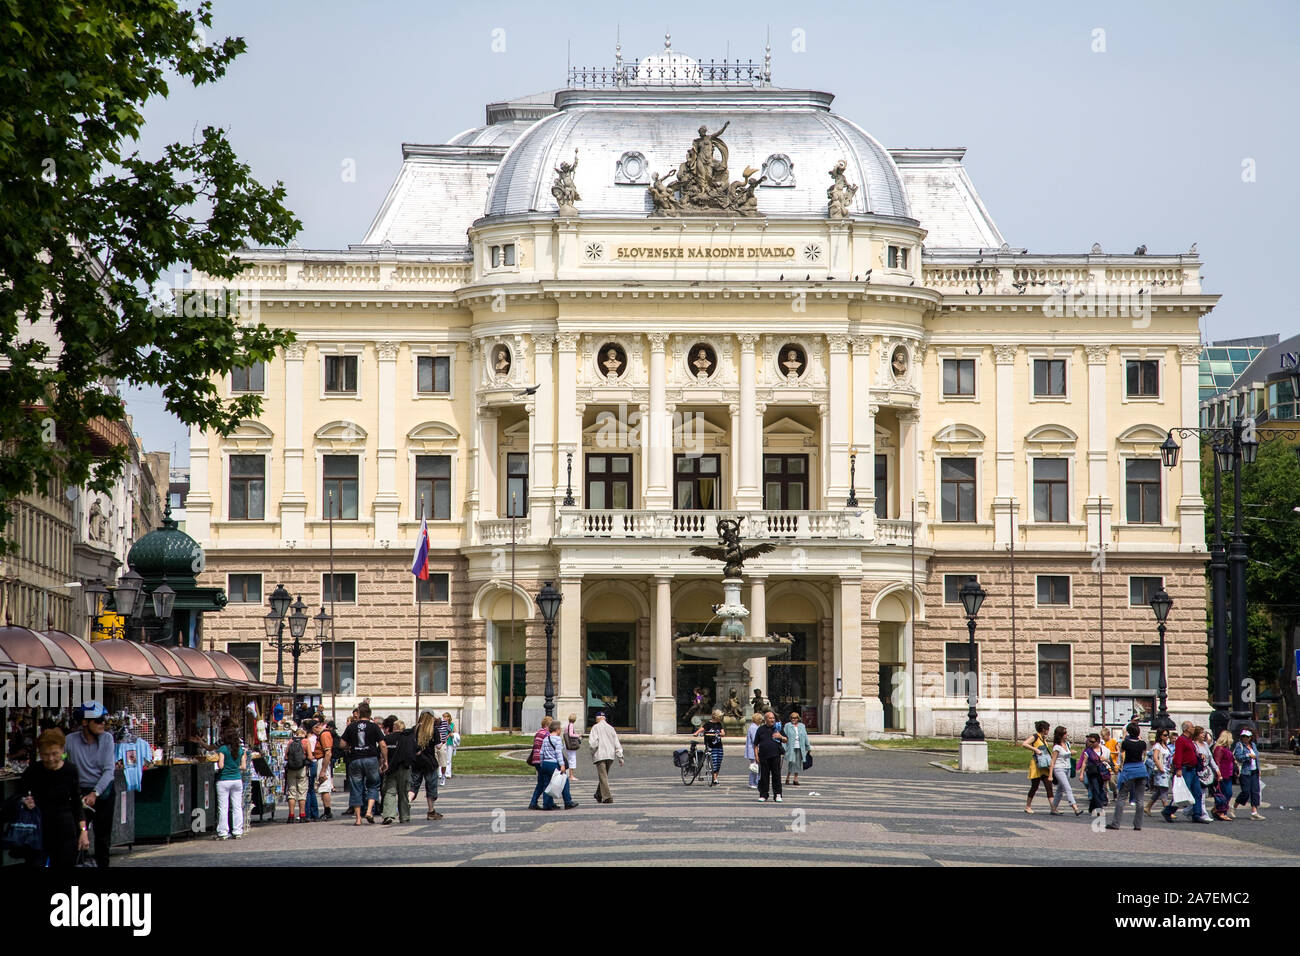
[[731, 647]]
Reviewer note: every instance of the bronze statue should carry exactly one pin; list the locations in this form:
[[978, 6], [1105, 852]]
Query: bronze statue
[[733, 707], [731, 553]]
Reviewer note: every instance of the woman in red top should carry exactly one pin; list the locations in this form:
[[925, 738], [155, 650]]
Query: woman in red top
[[1227, 770], [1185, 764]]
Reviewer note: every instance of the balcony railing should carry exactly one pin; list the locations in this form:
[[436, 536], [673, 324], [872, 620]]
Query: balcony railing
[[896, 532], [703, 525]]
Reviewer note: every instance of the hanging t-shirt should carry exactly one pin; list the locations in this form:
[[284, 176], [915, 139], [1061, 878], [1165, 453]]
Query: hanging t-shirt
[[133, 757]]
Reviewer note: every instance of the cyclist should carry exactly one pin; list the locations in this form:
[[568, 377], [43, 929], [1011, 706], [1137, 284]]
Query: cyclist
[[713, 732]]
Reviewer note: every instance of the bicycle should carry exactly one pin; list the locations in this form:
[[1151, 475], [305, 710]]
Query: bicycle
[[691, 763]]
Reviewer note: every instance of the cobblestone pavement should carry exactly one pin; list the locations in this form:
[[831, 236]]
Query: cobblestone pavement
[[858, 808]]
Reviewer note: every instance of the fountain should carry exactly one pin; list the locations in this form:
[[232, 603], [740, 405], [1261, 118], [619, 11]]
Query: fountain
[[731, 647]]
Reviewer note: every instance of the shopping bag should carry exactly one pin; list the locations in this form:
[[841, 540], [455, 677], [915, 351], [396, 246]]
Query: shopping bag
[[1182, 793], [754, 767], [556, 787], [22, 835]]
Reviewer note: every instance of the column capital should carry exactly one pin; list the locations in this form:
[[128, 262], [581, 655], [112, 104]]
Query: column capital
[[295, 351], [663, 580], [387, 351], [488, 413], [658, 340], [1004, 354], [733, 409], [1189, 354], [837, 341], [1098, 354], [568, 341], [543, 343], [861, 344], [908, 416], [747, 340], [873, 410]]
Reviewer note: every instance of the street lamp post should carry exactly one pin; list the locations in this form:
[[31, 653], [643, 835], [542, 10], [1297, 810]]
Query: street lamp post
[[274, 621], [297, 628], [972, 596], [549, 599], [1161, 602], [1233, 446], [853, 483]]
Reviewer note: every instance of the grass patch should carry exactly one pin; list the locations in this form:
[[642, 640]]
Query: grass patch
[[1003, 755], [495, 740], [489, 762]]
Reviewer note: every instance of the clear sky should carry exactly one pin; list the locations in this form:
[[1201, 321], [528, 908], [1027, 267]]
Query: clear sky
[[1119, 123]]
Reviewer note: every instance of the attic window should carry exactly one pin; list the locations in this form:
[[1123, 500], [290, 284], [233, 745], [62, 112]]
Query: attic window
[[503, 255], [898, 257]]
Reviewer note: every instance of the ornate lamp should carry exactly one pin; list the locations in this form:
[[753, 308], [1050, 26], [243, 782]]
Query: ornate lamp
[[1169, 451], [1161, 602], [93, 592], [298, 619], [164, 599], [127, 592], [548, 600], [280, 599]]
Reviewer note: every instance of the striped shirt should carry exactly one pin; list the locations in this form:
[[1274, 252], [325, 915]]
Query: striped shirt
[[553, 750]]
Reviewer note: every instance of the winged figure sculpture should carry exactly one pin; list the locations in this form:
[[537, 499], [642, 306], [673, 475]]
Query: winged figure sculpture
[[731, 553]]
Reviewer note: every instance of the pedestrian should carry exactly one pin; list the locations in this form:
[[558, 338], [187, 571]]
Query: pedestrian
[[1293, 743], [424, 765], [767, 745], [1062, 768], [1132, 776], [230, 786], [313, 806], [552, 760], [713, 732], [453, 741], [750, 754], [1227, 767], [1246, 755], [1111, 743], [52, 785], [368, 758], [94, 756], [296, 761], [535, 761], [324, 754], [1206, 769], [605, 749], [397, 780], [1040, 764], [1162, 756], [572, 741], [1184, 764], [797, 748], [1093, 765], [443, 728]]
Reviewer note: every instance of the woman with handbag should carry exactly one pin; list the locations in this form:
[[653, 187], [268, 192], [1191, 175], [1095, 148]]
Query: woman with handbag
[[1040, 764], [1062, 770], [796, 748], [552, 762], [1161, 756], [1247, 755], [1206, 769], [1227, 770], [52, 786], [572, 741], [750, 754], [1094, 764]]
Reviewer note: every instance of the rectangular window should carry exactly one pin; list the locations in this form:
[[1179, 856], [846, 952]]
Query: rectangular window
[[341, 374], [338, 667], [1049, 377], [696, 482], [496, 257], [1054, 670], [952, 585], [785, 482], [1144, 662], [1142, 589], [897, 257], [247, 487], [436, 590], [344, 590], [508, 254], [251, 378], [433, 487], [244, 588], [249, 654], [959, 376], [1143, 378], [1142, 490], [882, 486], [516, 484], [957, 489], [1051, 489], [609, 481], [1054, 589], [433, 666], [959, 674], [339, 486], [434, 374]]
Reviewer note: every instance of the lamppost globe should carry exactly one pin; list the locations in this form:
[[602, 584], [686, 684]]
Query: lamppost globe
[[126, 593], [298, 619]]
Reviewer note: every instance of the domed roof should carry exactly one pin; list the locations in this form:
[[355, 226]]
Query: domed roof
[[660, 123], [166, 552]]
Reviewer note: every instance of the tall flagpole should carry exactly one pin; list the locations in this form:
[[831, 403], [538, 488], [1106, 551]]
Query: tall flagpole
[[1015, 675], [1101, 613], [419, 620], [513, 499], [334, 664]]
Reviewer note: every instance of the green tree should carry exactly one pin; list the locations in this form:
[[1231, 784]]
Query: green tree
[[88, 229]]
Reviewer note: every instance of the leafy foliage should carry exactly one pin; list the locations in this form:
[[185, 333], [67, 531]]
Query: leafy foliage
[[87, 231]]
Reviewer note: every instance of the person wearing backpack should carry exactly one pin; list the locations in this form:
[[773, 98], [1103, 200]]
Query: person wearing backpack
[[1040, 765], [295, 776]]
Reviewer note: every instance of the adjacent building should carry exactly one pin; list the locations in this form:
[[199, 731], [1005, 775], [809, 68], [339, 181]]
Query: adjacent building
[[576, 336]]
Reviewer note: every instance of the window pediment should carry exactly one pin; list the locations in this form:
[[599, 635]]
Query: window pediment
[[959, 434], [250, 436]]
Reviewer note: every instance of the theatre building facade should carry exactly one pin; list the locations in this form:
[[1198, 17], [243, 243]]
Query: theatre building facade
[[575, 337]]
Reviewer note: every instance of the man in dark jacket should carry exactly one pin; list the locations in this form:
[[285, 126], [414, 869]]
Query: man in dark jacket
[[767, 751], [397, 781]]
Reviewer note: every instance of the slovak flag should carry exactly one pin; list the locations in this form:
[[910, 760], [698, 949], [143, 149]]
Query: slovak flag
[[420, 566]]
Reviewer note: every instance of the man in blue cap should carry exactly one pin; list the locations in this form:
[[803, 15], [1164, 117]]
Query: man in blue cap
[[92, 753]]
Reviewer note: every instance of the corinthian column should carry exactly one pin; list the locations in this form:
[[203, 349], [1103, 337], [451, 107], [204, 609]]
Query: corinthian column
[[747, 497], [656, 437]]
